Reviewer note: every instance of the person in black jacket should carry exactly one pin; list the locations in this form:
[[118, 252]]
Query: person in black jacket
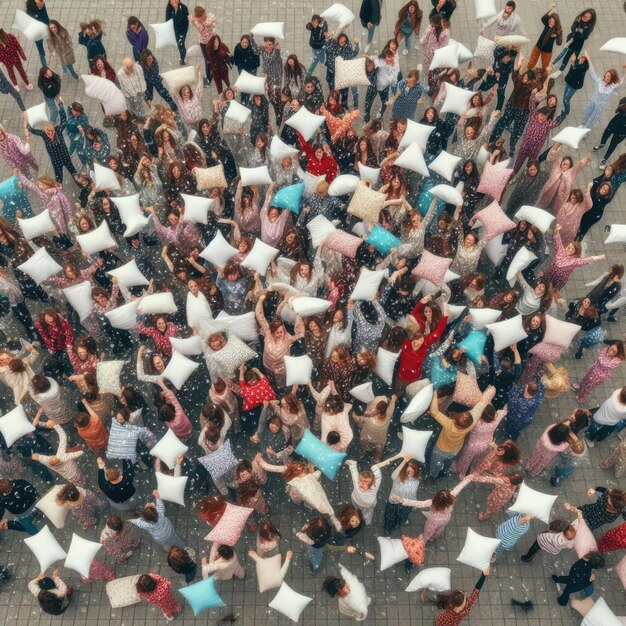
[[580, 576], [178, 12], [617, 128], [443, 7], [246, 58], [18, 497], [370, 19], [574, 79], [581, 29], [118, 487], [318, 28], [50, 85]]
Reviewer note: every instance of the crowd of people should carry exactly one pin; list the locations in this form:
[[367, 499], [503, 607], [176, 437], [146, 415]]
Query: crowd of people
[[205, 266]]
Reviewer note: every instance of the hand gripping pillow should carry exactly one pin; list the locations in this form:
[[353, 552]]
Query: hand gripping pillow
[[255, 176], [45, 548], [449, 194], [444, 165], [363, 393], [158, 303], [305, 122], [392, 552], [180, 77], [368, 284], [584, 541], [249, 83], [600, 614], [418, 405], [512, 41], [105, 178], [535, 503], [14, 425], [474, 345], [108, 376], [466, 391], [343, 185], [559, 332], [79, 296], [415, 442], [320, 229], [210, 177], [485, 9], [616, 44], [280, 150], [456, 100], [290, 198], [179, 369], [385, 365], [40, 266], [36, 226], [371, 174], [219, 462], [165, 34], [81, 554], [478, 550], [350, 73], [433, 579], [344, 243], [445, 57], [289, 603], [171, 488], [228, 530], [464, 53], [97, 240], [169, 448], [32, 29], [299, 369], [125, 316], [259, 257], [338, 13], [507, 333], [269, 573], [122, 592], [433, 268], [494, 219], [481, 317], [327, 460], [129, 275], [275, 30], [53, 511], [416, 133], [219, 251], [191, 346], [107, 92], [242, 326], [617, 234], [494, 181], [536, 216], [307, 305], [196, 208], [412, 158], [571, 136], [484, 49], [522, 259], [37, 115], [547, 352], [382, 240], [202, 595], [366, 203]]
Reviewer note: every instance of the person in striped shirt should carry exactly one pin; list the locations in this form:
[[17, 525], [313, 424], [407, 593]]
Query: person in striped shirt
[[510, 532]]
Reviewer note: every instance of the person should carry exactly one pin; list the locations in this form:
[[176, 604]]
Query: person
[[574, 79], [405, 485], [38, 10], [318, 29], [62, 462], [19, 497], [370, 15], [581, 29], [510, 532], [436, 36], [181, 561], [605, 87], [90, 36], [222, 563], [606, 509], [154, 522], [152, 77], [137, 36], [408, 26], [552, 34], [609, 417], [61, 47], [559, 536], [350, 599], [507, 22], [52, 593], [11, 55], [609, 359], [157, 590], [616, 129], [205, 23], [117, 486], [118, 540], [524, 402], [580, 577], [219, 59], [50, 85], [459, 604], [179, 14]]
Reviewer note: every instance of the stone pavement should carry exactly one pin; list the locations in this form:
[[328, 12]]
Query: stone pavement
[[390, 604]]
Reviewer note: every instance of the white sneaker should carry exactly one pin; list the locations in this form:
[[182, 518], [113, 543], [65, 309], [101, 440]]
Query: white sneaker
[[556, 74], [367, 48], [405, 52]]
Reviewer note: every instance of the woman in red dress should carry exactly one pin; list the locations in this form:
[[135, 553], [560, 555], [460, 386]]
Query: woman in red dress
[[157, 590]]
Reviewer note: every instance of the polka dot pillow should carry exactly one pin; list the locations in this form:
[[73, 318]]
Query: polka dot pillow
[[210, 177], [219, 462], [366, 203], [466, 391], [344, 243], [233, 354], [484, 49], [494, 180], [228, 530], [350, 73]]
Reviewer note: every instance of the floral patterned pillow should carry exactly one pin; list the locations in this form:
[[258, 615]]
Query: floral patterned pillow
[[210, 177], [494, 180], [547, 352], [228, 530], [344, 243], [433, 268], [123, 591], [108, 376], [350, 73], [495, 220], [366, 203], [466, 391]]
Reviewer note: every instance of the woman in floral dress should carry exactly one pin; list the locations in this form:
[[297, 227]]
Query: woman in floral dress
[[609, 359], [505, 486], [17, 153], [157, 591]]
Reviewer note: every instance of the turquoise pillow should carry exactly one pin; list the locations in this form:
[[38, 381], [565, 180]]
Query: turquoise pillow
[[382, 240], [320, 454], [441, 376], [474, 344], [202, 595], [289, 198]]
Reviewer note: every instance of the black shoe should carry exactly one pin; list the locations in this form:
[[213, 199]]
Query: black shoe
[[554, 481], [611, 318], [579, 353], [598, 147], [555, 578], [527, 558], [5, 575]]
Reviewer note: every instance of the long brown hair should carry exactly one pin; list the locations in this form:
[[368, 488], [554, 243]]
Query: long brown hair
[[416, 468]]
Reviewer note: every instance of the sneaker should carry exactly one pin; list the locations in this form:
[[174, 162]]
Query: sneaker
[[591, 444], [602, 164], [554, 481], [367, 48], [405, 52], [598, 147], [611, 318], [556, 74]]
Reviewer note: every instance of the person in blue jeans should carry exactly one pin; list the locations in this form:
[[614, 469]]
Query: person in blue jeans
[[318, 28], [316, 534], [581, 29], [37, 10], [19, 497], [370, 19], [574, 80]]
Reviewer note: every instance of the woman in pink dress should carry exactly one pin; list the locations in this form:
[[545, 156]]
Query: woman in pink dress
[[555, 439], [569, 214], [561, 180], [609, 359], [157, 590]]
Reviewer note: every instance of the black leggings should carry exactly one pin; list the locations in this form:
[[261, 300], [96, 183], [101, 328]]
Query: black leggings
[[616, 139], [591, 217]]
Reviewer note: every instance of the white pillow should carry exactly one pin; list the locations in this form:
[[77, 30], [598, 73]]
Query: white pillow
[[249, 83], [107, 92], [36, 226], [123, 591], [454, 312], [179, 369], [37, 115], [45, 548], [172, 488], [79, 296], [445, 164], [537, 217], [617, 234], [416, 133], [53, 511], [129, 275], [512, 41], [320, 229], [40, 266], [507, 333], [289, 602], [456, 100], [571, 136], [371, 174], [255, 176], [14, 425], [310, 181], [600, 614], [478, 550], [412, 158], [481, 317], [463, 53], [616, 44], [363, 392], [433, 579], [358, 600], [485, 9], [178, 78], [125, 316], [307, 306], [268, 573], [259, 257], [339, 13], [191, 346], [129, 208], [449, 194], [136, 224], [484, 49], [105, 178], [367, 285], [522, 259], [299, 369], [164, 34], [305, 122], [237, 112], [81, 554], [392, 552], [279, 149], [494, 249], [158, 304], [169, 448], [219, 251], [97, 240], [196, 208], [343, 185], [385, 364], [242, 326], [32, 29], [559, 332], [419, 404], [445, 57], [535, 503], [414, 442], [350, 73], [269, 29], [108, 376]]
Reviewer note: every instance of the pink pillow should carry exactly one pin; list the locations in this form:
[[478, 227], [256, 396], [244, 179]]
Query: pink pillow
[[228, 530], [584, 541], [466, 392], [495, 220], [432, 268], [344, 243], [559, 332], [494, 180], [547, 352]]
